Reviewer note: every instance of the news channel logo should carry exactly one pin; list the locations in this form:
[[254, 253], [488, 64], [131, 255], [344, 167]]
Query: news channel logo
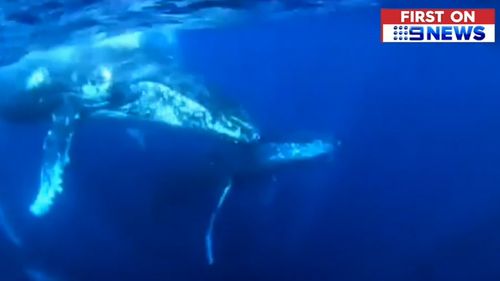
[[438, 26]]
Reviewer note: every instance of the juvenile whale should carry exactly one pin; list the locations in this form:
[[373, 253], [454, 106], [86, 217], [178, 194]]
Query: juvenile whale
[[261, 160], [124, 77], [234, 166]]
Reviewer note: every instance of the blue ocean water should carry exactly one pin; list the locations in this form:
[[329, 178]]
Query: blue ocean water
[[412, 193]]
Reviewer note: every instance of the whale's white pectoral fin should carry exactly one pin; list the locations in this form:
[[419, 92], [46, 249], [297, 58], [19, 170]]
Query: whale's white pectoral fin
[[55, 159], [213, 217]]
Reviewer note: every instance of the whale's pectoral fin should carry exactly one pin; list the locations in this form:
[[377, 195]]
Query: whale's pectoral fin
[[55, 158], [213, 217]]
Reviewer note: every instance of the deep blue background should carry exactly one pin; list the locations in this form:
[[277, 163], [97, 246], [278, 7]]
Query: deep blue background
[[413, 193]]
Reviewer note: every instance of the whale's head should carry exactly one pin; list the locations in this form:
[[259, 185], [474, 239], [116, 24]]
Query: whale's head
[[32, 87], [27, 93]]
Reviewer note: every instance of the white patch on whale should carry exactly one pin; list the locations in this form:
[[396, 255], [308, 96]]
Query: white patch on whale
[[38, 77]]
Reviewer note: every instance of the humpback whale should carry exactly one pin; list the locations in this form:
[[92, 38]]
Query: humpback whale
[[235, 166], [265, 159], [124, 77], [127, 77]]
